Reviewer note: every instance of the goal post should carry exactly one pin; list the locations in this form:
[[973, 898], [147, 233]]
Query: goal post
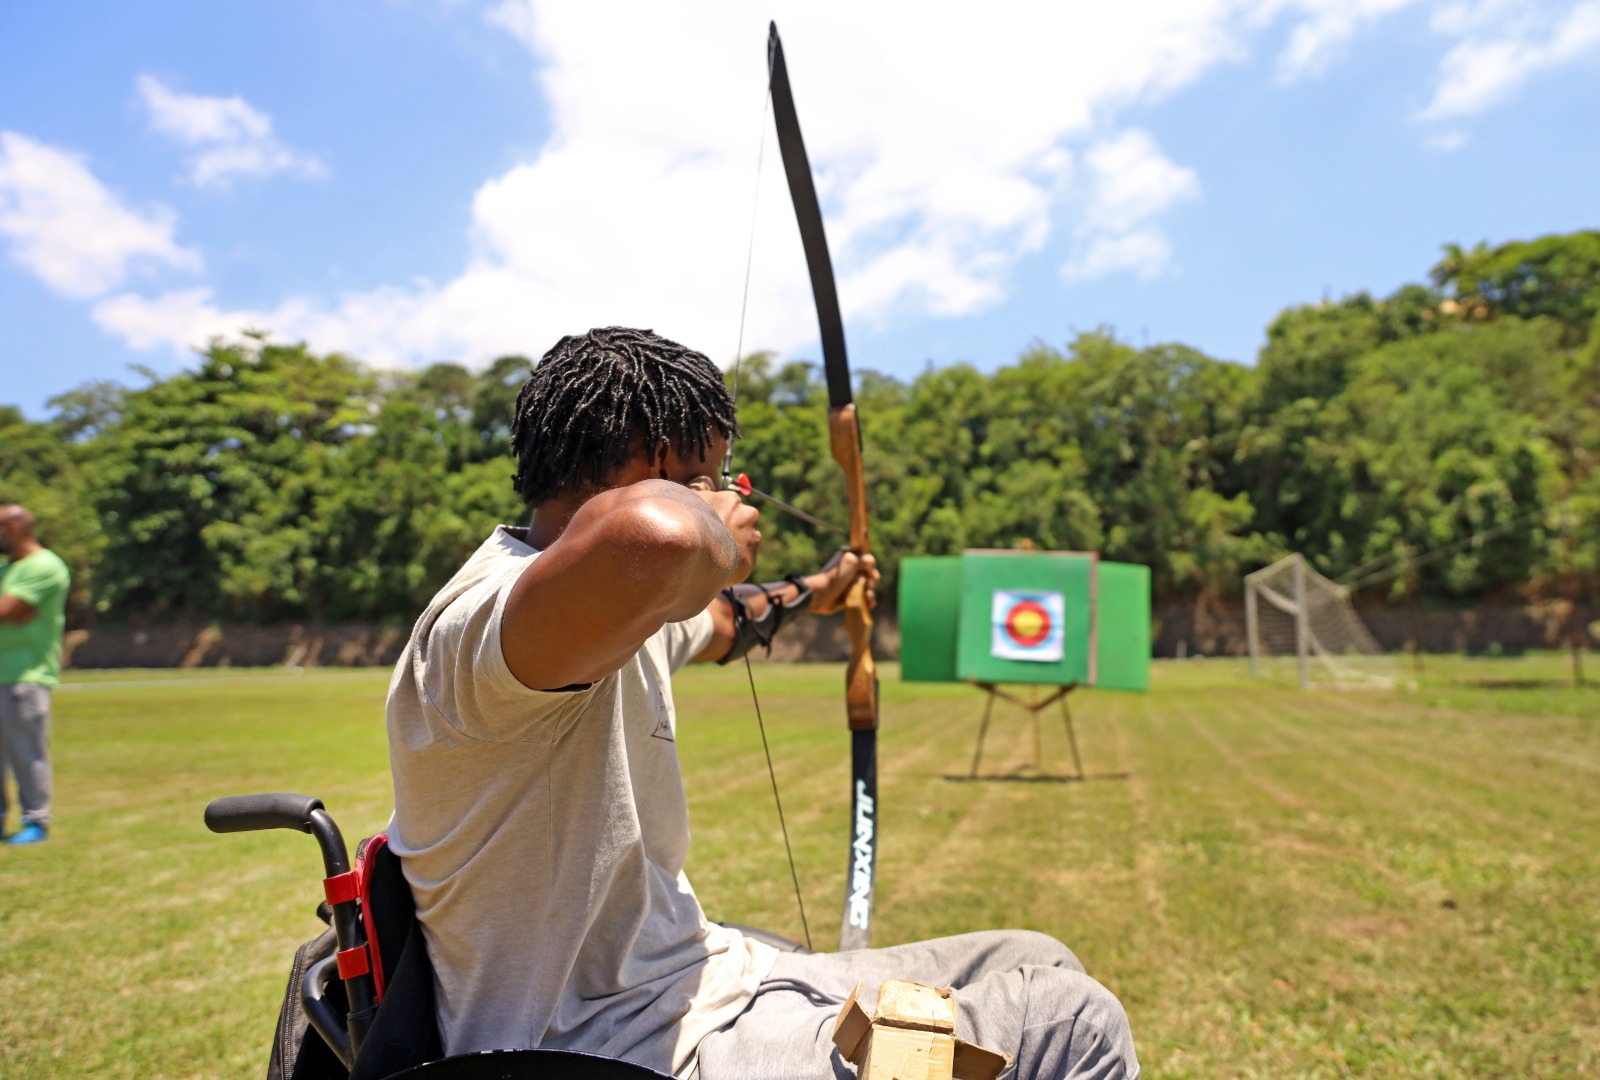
[[1297, 621]]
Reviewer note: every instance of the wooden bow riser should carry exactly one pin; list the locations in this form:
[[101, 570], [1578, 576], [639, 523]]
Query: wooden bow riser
[[861, 679]]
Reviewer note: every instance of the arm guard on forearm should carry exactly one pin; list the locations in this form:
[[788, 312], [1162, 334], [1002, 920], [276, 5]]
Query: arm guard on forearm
[[752, 630]]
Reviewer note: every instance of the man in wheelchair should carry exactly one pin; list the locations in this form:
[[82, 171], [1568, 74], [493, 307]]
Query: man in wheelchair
[[539, 814]]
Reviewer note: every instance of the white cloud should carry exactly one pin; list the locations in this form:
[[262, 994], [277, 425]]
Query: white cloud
[[944, 155], [177, 319], [1145, 252], [1504, 44], [69, 229], [935, 180], [1325, 30], [1134, 181], [482, 314], [1457, 18], [1497, 46], [228, 137], [1130, 184], [192, 119]]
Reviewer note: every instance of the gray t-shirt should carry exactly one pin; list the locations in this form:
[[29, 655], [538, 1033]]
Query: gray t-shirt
[[544, 835]]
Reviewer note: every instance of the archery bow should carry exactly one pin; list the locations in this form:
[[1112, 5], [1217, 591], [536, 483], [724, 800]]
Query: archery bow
[[844, 432]]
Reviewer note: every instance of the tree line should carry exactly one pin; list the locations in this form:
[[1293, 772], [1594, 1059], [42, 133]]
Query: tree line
[[268, 482]]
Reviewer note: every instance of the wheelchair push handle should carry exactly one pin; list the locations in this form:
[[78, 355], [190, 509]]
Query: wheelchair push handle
[[252, 813], [302, 813]]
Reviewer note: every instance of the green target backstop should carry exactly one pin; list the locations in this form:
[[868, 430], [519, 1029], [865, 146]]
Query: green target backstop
[[1060, 618]]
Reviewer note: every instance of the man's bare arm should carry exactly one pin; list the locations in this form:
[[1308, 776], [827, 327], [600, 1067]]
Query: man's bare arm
[[631, 560], [14, 609]]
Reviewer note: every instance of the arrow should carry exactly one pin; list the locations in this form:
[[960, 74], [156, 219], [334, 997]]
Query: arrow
[[742, 485]]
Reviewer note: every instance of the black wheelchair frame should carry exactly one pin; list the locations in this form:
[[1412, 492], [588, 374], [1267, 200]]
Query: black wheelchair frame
[[360, 1004]]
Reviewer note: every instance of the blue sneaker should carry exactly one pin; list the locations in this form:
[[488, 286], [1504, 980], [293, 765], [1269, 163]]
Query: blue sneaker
[[30, 834]]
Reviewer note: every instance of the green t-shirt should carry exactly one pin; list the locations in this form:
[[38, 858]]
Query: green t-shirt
[[31, 653]]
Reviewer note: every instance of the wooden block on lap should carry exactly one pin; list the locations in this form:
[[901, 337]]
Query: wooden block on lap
[[974, 1062], [851, 1028], [912, 1005], [907, 1054], [912, 1037]]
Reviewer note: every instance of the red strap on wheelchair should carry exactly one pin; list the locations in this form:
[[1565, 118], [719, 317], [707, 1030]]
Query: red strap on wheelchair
[[354, 962], [366, 863], [342, 888]]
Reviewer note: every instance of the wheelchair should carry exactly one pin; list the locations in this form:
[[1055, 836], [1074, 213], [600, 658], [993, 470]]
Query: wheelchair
[[360, 999]]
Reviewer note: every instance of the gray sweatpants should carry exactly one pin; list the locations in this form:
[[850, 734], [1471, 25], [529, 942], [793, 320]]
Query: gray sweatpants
[[25, 738], [1017, 991]]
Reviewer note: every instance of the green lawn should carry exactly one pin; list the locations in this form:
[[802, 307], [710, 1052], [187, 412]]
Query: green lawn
[[1276, 882]]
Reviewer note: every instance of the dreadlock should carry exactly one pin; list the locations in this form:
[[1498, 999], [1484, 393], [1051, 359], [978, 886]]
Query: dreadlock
[[593, 394]]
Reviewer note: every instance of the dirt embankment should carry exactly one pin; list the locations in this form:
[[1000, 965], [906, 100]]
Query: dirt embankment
[[193, 644], [1511, 628]]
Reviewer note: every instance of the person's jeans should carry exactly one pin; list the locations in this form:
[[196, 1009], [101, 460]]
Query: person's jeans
[[25, 740]]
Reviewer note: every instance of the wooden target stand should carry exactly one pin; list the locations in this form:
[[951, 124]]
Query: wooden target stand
[[1033, 707]]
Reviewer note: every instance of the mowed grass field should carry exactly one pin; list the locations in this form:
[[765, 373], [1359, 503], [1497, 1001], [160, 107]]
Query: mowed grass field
[[1276, 883]]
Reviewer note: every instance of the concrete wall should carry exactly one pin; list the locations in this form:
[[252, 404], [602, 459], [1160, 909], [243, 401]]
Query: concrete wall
[[1513, 628], [187, 645], [180, 645]]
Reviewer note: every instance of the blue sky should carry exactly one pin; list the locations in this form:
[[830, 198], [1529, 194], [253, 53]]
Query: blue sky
[[416, 180]]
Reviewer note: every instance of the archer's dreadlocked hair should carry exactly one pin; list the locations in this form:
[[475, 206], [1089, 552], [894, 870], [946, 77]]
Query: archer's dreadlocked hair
[[592, 394]]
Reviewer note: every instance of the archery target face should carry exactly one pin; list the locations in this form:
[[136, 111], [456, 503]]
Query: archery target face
[[1027, 626]]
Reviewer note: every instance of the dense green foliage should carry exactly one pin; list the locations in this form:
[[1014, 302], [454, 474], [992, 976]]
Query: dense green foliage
[[269, 482]]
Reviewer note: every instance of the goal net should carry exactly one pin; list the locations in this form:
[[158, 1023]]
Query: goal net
[[1303, 627]]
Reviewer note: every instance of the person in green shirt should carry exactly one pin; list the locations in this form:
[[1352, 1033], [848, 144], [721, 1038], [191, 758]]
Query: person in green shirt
[[33, 600]]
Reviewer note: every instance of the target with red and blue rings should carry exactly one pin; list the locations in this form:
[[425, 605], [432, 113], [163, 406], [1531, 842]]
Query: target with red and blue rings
[[1027, 626]]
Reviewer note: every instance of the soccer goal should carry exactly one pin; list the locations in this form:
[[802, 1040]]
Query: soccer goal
[[1302, 625]]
